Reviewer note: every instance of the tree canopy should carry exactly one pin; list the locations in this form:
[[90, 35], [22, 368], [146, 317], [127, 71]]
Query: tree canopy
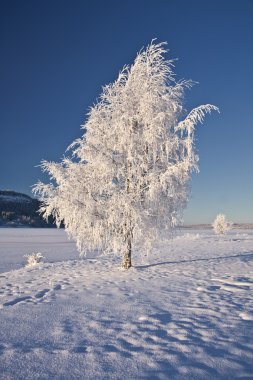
[[127, 177]]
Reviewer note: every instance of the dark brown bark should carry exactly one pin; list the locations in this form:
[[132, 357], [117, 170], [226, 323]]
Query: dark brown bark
[[127, 262], [127, 256]]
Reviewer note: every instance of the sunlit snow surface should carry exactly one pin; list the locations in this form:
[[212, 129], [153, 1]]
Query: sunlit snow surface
[[184, 313]]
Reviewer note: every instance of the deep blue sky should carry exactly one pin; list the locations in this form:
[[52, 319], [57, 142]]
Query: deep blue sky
[[56, 55]]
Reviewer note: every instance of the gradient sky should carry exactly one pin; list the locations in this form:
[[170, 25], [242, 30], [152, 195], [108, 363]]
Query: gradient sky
[[56, 55]]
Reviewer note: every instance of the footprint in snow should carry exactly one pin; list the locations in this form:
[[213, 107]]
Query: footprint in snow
[[17, 300], [213, 288], [41, 293], [57, 287], [234, 285]]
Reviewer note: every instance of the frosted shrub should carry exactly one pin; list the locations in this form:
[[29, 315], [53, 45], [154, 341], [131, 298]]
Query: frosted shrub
[[189, 236], [221, 225], [34, 259], [127, 178]]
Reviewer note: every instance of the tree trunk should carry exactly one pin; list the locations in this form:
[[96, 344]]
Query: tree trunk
[[127, 263]]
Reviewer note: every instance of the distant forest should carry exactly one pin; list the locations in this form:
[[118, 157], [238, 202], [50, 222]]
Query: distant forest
[[20, 210]]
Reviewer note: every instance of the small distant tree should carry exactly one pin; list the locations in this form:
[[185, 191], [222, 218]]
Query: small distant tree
[[221, 225], [128, 176]]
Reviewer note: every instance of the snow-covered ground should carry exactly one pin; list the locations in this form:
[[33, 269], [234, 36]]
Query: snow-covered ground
[[184, 313]]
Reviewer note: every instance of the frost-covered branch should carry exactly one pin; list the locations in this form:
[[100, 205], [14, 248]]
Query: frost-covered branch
[[128, 177]]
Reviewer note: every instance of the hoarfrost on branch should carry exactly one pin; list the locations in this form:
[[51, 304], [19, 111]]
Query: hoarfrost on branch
[[128, 176]]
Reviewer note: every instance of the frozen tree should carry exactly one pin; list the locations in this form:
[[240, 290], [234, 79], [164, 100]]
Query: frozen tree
[[221, 224], [127, 177]]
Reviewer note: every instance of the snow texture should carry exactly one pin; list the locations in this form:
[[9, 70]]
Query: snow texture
[[185, 312]]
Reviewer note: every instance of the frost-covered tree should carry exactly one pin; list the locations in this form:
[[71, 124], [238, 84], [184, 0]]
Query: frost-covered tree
[[221, 225], [127, 177]]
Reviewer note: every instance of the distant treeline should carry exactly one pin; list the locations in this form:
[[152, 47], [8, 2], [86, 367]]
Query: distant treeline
[[20, 210]]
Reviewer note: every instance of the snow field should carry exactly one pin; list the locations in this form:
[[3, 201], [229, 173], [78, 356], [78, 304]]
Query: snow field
[[184, 313]]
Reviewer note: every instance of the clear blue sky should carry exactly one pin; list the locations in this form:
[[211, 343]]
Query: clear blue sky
[[56, 55]]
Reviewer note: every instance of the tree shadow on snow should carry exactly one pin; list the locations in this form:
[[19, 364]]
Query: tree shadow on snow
[[247, 256]]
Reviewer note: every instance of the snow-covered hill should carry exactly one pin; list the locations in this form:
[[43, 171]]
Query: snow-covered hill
[[184, 313], [20, 210]]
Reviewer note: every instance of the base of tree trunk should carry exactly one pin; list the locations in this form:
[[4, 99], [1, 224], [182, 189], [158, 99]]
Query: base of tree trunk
[[126, 264]]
